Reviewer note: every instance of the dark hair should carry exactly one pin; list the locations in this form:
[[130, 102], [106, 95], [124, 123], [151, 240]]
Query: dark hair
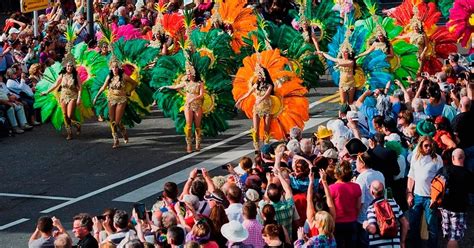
[[378, 119], [301, 169], [434, 91], [45, 224], [121, 219], [74, 74], [268, 81], [176, 234], [249, 210], [378, 138], [271, 230], [170, 190], [274, 192], [269, 213], [390, 124], [387, 43], [234, 193], [110, 212], [86, 220], [199, 188], [246, 163]]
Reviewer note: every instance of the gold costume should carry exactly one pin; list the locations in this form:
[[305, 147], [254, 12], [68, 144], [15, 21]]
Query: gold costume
[[193, 88], [117, 93], [347, 81], [418, 40], [69, 91], [265, 106]]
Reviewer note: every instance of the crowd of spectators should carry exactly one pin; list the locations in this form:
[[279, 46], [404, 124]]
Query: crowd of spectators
[[306, 192]]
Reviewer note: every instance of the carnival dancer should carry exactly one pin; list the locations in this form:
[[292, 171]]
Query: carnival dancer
[[117, 98], [417, 37], [70, 93], [262, 90], [346, 64], [381, 42], [193, 111]]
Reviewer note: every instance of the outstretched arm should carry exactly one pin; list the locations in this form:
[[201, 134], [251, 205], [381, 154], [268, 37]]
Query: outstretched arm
[[106, 83], [58, 82], [327, 56], [370, 49], [244, 96]]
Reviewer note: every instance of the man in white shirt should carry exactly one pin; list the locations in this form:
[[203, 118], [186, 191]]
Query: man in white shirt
[[425, 163], [234, 211]]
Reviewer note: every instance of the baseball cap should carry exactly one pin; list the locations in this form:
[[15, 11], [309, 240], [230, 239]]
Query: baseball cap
[[13, 31]]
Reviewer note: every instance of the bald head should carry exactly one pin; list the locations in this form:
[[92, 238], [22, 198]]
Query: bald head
[[465, 104], [377, 189], [458, 157]]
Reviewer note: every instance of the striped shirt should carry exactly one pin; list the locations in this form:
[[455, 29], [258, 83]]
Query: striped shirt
[[377, 241]]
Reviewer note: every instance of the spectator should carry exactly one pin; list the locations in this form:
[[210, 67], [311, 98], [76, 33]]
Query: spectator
[[347, 202], [271, 236], [14, 109], [268, 216], [82, 227], [325, 224], [384, 160], [63, 241], [295, 133], [453, 59], [121, 220], [371, 225], [42, 237], [443, 138], [201, 233], [366, 105], [253, 227], [175, 237], [423, 167], [456, 200], [234, 211], [366, 176], [462, 128]]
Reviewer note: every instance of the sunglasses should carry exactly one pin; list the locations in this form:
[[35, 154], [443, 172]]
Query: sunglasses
[[426, 145]]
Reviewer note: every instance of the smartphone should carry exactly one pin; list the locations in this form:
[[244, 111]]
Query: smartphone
[[159, 198], [100, 217], [150, 214], [404, 78], [182, 208], [314, 169], [140, 209], [425, 74], [224, 167], [446, 62], [199, 171]]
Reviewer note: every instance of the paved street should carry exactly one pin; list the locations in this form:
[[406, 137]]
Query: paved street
[[43, 174]]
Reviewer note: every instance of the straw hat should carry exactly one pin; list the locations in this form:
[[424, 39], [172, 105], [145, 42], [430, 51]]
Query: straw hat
[[323, 132]]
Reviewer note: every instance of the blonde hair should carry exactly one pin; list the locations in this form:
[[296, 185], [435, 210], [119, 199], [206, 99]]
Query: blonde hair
[[419, 149], [325, 223]]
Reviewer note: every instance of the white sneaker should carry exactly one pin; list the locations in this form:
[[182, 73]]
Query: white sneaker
[[26, 127], [18, 130]]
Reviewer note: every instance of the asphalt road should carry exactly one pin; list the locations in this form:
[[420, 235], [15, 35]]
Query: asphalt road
[[43, 174]]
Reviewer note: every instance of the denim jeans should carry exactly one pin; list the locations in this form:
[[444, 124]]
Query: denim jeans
[[423, 203], [20, 114]]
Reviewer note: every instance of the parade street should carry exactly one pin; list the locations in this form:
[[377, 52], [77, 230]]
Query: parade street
[[43, 174]]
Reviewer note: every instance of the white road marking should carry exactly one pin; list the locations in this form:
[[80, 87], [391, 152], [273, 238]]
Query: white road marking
[[210, 164], [59, 198], [14, 223]]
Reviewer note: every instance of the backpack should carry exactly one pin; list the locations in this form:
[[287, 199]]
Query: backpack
[[386, 220], [439, 187]]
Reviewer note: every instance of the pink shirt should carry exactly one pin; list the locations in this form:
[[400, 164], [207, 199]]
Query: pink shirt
[[345, 196], [255, 233]]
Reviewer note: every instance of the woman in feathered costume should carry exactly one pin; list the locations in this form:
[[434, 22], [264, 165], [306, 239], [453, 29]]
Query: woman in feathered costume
[[383, 36], [417, 37], [346, 64], [194, 94], [70, 89], [272, 96], [234, 18], [117, 98]]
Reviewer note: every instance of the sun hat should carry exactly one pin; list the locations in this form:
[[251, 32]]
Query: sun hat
[[252, 195], [425, 128], [323, 132], [13, 31], [234, 231], [330, 153]]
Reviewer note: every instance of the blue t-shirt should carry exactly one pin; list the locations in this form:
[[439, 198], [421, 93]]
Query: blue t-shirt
[[434, 110], [301, 185]]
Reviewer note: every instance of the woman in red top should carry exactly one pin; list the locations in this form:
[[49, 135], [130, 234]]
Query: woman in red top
[[443, 136], [347, 202]]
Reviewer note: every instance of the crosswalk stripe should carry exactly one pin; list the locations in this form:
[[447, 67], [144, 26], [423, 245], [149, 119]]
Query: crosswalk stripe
[[210, 164], [14, 223]]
